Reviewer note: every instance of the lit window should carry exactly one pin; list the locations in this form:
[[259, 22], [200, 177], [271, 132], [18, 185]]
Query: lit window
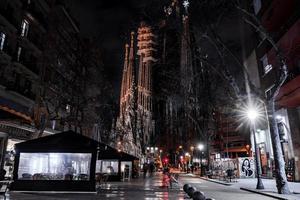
[[19, 53], [2, 40], [267, 67], [24, 28], [68, 108], [257, 5]]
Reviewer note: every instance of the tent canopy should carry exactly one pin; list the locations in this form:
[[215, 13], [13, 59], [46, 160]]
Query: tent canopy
[[107, 152], [68, 141]]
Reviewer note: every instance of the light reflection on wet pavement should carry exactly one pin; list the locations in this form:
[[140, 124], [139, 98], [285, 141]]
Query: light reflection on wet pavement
[[150, 188]]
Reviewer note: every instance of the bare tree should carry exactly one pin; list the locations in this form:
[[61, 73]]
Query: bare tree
[[208, 30]]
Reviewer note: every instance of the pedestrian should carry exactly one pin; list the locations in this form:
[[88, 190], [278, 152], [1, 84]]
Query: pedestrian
[[145, 169], [192, 168], [151, 168]]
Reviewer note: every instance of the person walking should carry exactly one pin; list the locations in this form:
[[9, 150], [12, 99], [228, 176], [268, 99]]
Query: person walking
[[145, 169], [151, 168]]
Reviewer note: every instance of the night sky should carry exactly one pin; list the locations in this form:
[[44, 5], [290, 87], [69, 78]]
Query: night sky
[[109, 22]]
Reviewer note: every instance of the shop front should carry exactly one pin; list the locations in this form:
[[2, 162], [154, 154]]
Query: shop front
[[10, 135], [118, 166]]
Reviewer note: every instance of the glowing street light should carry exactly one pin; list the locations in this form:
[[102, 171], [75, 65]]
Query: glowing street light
[[192, 148], [253, 114], [200, 147]]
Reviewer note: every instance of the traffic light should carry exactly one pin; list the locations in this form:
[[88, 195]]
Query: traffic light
[[166, 160]]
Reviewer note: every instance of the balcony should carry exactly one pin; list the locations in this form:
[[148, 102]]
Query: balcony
[[232, 138], [31, 65], [34, 11], [28, 62], [22, 90], [9, 15], [36, 39]]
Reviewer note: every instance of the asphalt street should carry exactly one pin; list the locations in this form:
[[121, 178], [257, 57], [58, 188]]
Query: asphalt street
[[151, 188]]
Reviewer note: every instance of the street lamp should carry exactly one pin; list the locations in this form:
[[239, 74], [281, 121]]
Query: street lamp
[[192, 156], [252, 114], [201, 147]]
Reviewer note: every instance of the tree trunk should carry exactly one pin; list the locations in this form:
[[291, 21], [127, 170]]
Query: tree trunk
[[281, 180]]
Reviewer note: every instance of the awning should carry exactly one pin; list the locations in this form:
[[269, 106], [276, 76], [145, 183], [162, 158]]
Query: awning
[[15, 109], [289, 94], [236, 149], [289, 44], [107, 152], [277, 14]]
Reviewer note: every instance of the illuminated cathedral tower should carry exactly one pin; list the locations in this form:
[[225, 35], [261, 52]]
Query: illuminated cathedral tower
[[146, 52], [128, 140]]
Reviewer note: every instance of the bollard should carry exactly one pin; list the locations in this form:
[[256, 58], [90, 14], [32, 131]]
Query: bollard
[[198, 196], [186, 187], [191, 191]]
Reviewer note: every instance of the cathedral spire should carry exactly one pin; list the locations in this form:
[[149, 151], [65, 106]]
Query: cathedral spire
[[126, 57], [124, 85], [131, 62]]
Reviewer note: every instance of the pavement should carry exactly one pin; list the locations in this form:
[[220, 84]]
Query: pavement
[[150, 188], [269, 184]]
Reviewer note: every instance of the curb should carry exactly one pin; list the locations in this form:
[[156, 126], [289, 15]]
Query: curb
[[214, 181], [262, 193]]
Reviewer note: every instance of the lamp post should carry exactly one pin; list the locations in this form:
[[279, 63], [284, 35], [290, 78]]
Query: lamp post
[[201, 147], [252, 115], [192, 154]]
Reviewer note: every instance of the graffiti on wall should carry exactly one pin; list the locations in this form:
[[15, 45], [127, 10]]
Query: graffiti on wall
[[247, 169]]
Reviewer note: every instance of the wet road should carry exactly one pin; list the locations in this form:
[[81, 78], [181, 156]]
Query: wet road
[[151, 188]]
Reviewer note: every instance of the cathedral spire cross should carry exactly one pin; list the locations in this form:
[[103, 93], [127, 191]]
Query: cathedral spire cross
[[186, 5]]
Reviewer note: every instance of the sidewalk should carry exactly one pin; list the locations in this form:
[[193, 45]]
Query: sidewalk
[[269, 184]]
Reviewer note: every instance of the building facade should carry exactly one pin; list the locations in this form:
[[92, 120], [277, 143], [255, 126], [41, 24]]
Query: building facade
[[42, 73], [281, 21]]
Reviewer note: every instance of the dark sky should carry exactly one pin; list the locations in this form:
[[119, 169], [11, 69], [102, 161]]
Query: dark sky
[[109, 22]]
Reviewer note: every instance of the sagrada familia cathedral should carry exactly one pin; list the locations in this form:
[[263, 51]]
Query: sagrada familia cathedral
[[156, 83]]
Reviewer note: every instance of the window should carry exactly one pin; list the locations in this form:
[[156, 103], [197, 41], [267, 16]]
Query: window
[[126, 168], [257, 5], [54, 166], [68, 108], [24, 28], [2, 40], [281, 130], [266, 66], [19, 53], [107, 166]]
